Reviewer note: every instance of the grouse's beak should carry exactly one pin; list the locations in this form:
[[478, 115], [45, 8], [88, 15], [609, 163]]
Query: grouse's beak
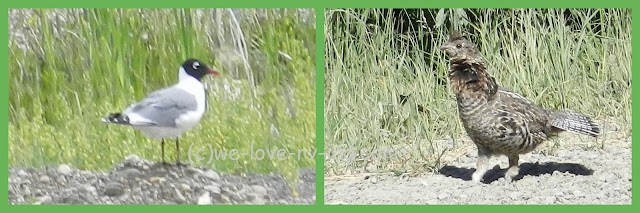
[[447, 49]]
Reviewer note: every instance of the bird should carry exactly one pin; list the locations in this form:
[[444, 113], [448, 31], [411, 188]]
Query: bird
[[499, 121], [169, 112]]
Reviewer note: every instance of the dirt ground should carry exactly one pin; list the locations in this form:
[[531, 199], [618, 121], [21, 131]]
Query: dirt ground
[[576, 172]]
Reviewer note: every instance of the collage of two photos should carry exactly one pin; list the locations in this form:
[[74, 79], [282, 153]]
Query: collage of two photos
[[477, 106], [422, 106]]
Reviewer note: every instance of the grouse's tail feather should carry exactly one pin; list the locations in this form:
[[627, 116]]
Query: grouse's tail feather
[[117, 118], [574, 122]]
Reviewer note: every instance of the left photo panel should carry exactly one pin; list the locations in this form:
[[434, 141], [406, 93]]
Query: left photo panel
[[162, 106]]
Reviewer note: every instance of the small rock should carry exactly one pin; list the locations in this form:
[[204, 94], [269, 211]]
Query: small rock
[[179, 196], [90, 189], [373, 180], [86, 173], [44, 200], [259, 189], [22, 173], [61, 179], [132, 158], [225, 199], [194, 171], [113, 189], [185, 187], [45, 179], [515, 195], [205, 199], [64, 169], [212, 175], [213, 188], [258, 201], [157, 179], [371, 168], [129, 173], [443, 195]]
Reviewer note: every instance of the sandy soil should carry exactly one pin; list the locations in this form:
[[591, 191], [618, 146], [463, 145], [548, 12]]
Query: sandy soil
[[574, 173]]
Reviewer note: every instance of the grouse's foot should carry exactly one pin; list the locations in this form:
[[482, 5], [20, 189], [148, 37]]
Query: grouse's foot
[[511, 173], [477, 176]]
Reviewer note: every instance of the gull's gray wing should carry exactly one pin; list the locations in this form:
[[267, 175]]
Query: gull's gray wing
[[161, 108]]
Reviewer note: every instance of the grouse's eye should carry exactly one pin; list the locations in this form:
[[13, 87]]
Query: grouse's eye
[[459, 46], [196, 65]]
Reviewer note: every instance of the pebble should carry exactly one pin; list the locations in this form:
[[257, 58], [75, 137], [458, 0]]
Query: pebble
[[45, 179], [43, 200], [185, 187], [61, 179], [443, 195], [213, 188], [22, 173], [259, 189], [129, 173], [114, 189], [179, 196], [371, 168], [258, 201], [515, 195], [373, 179], [212, 175], [132, 158], [205, 199], [225, 199], [157, 179], [64, 169], [92, 190], [194, 171]]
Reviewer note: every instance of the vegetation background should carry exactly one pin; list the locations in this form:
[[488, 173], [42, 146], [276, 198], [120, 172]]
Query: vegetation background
[[68, 68], [386, 85]]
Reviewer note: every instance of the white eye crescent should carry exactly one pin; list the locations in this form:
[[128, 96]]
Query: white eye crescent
[[196, 65]]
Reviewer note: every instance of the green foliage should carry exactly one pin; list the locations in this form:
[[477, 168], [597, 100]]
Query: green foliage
[[386, 79], [70, 68]]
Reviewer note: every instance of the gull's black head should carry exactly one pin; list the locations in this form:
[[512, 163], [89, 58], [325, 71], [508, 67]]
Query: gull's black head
[[197, 69], [459, 46]]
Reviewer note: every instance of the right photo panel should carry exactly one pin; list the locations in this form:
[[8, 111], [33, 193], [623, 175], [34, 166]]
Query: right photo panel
[[477, 106]]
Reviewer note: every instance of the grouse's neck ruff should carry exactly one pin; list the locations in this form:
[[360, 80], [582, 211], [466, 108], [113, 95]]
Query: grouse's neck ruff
[[470, 75]]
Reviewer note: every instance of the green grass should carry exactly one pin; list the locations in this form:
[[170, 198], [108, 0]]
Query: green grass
[[70, 68], [577, 59]]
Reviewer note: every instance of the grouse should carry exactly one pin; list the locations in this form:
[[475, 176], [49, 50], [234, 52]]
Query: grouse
[[498, 121]]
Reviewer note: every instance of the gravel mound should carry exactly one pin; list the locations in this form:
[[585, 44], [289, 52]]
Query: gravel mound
[[572, 174], [138, 181]]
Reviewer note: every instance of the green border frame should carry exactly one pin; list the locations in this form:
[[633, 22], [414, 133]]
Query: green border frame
[[319, 6]]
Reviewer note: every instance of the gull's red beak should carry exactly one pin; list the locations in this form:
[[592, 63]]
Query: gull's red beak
[[213, 72]]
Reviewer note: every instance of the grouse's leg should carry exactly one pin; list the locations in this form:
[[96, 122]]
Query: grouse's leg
[[482, 165], [513, 169]]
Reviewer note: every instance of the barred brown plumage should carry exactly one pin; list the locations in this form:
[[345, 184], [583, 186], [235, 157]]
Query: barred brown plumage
[[499, 121]]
